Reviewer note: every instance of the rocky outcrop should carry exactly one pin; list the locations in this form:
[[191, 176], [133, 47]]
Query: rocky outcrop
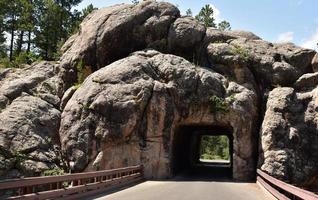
[[185, 38], [271, 65], [289, 136], [129, 109], [315, 63], [29, 120], [132, 108], [111, 33]]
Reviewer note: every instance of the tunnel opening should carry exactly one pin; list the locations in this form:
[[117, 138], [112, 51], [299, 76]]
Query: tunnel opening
[[203, 151]]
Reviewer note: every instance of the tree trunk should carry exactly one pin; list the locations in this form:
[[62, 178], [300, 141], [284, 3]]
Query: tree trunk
[[29, 42], [20, 42], [11, 42]]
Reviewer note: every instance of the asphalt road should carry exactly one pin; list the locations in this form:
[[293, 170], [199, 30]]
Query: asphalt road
[[183, 189]]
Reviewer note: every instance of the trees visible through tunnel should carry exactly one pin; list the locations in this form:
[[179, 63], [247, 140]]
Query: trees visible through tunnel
[[214, 148]]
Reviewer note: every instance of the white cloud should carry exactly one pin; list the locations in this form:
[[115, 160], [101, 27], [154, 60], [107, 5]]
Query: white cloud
[[311, 42], [216, 14], [286, 37]]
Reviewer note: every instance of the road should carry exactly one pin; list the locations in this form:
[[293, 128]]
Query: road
[[183, 189]]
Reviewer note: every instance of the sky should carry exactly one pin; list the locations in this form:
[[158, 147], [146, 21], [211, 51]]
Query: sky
[[273, 20]]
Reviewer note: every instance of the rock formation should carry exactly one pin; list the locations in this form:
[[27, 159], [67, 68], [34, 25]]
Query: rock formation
[[154, 72], [29, 120]]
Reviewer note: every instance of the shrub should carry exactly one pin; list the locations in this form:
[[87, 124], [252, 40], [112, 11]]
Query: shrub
[[241, 52], [5, 63], [83, 71], [219, 104], [18, 157], [53, 172]]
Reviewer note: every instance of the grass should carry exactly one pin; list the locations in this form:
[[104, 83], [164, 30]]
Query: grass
[[241, 52]]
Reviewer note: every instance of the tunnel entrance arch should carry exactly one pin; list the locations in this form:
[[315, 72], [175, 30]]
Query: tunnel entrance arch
[[187, 143]]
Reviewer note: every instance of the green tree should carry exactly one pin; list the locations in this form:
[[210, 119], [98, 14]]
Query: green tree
[[86, 11], [55, 24], [2, 36], [78, 17], [214, 147], [189, 12], [206, 16], [224, 26], [47, 34], [11, 16]]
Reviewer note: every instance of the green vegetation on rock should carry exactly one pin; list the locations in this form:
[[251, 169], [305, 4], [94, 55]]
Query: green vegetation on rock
[[241, 52], [219, 104], [53, 172]]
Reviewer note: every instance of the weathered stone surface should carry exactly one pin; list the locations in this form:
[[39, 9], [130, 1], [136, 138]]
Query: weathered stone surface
[[29, 119], [315, 63], [215, 35], [28, 136], [129, 112], [132, 108], [39, 80], [67, 95], [307, 81], [289, 136], [271, 64], [185, 37], [109, 34]]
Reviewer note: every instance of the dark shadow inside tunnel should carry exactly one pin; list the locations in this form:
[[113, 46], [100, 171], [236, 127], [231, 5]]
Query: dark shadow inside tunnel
[[197, 151]]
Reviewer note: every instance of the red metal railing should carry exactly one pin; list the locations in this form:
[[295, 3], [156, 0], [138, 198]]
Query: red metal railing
[[71, 186], [282, 190]]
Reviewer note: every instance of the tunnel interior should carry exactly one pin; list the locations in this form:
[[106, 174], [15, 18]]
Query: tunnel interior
[[187, 158]]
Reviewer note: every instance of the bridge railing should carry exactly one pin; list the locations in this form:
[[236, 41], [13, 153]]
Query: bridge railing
[[282, 190], [71, 186]]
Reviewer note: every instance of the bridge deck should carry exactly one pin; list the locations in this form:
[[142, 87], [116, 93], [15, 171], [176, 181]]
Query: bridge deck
[[189, 190]]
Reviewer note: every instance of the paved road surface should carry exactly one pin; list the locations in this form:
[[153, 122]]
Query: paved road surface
[[182, 189]]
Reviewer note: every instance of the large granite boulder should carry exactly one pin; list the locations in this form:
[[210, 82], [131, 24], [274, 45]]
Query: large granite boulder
[[289, 136], [127, 113], [129, 110], [29, 120], [185, 38], [271, 65], [111, 33]]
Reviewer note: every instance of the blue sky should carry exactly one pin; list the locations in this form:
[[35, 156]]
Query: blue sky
[[273, 20]]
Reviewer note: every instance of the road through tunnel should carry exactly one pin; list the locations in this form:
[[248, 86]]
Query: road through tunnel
[[203, 151]]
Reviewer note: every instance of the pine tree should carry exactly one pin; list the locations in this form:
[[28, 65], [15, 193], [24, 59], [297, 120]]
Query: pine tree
[[189, 12], [55, 24], [206, 16], [47, 35], [224, 26], [11, 16], [2, 37]]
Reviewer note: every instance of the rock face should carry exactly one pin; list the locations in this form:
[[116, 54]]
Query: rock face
[[155, 73], [109, 34], [133, 107], [289, 136], [185, 37], [271, 64], [29, 120]]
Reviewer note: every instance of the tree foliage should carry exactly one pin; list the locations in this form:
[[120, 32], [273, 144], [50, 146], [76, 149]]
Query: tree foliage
[[189, 13], [214, 148], [224, 26], [37, 28], [206, 16]]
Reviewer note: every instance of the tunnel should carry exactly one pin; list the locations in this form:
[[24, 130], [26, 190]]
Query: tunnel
[[186, 152]]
